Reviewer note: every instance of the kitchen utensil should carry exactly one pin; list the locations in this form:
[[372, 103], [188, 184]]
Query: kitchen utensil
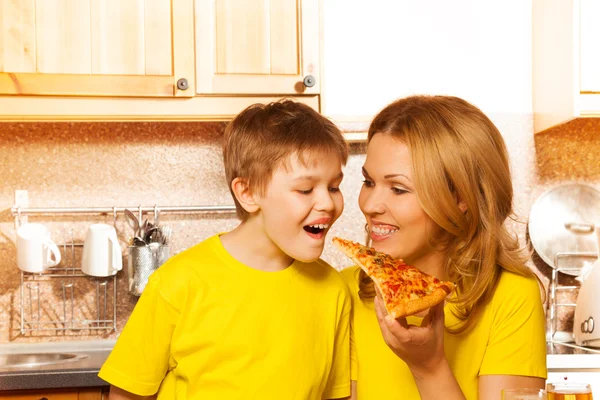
[[142, 262], [587, 310], [35, 248], [134, 222], [563, 220], [101, 251]]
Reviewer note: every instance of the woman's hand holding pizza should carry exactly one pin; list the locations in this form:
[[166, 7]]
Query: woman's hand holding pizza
[[421, 347]]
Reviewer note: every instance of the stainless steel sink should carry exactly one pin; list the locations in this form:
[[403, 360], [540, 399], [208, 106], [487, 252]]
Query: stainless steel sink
[[36, 359]]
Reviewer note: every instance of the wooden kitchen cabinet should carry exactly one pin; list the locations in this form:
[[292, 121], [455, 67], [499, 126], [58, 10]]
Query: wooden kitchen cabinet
[[566, 62], [257, 46], [121, 60], [97, 47], [62, 394]]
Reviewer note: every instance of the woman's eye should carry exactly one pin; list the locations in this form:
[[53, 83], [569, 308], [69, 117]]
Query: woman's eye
[[368, 183], [397, 190], [334, 189], [308, 191]]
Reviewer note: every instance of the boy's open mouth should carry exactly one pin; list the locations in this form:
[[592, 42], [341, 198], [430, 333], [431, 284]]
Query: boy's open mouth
[[315, 229]]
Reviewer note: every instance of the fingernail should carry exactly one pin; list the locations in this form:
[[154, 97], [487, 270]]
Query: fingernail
[[389, 320]]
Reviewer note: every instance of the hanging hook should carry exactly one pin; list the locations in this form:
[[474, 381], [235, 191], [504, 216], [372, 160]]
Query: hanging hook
[[156, 215], [115, 216], [140, 215], [18, 216]]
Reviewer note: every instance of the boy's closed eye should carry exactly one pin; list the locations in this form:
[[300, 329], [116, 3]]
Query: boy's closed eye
[[305, 191]]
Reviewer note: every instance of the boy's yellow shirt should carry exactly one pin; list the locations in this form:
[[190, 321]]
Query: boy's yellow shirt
[[508, 339], [209, 327]]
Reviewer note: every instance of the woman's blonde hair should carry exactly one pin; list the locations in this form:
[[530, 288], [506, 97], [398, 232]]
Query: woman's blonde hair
[[458, 155]]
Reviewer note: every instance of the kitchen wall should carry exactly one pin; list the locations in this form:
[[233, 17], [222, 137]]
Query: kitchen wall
[[109, 164], [179, 163]]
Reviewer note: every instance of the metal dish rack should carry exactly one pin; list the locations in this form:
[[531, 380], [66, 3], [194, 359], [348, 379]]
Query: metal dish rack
[[34, 285], [556, 287], [102, 314]]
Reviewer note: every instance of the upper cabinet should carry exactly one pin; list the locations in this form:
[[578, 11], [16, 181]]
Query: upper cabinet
[[566, 61], [257, 46], [97, 47], [155, 59]]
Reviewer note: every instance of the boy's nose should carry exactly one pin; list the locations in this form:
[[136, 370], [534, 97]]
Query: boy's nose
[[325, 202]]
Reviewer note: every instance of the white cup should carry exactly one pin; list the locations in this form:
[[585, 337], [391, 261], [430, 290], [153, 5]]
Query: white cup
[[35, 248], [101, 251]]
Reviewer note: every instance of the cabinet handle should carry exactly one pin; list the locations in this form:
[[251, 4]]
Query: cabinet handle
[[309, 81], [182, 84]]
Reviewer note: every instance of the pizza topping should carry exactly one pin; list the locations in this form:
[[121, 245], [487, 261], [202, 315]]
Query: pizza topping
[[405, 290]]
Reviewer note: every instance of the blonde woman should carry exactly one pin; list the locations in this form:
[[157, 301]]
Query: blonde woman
[[437, 192]]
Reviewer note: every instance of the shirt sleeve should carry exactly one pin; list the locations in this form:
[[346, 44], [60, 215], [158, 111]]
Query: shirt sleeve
[[338, 384], [140, 359], [517, 343]]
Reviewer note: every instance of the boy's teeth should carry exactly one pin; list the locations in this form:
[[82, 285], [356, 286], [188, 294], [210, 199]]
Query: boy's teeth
[[320, 226]]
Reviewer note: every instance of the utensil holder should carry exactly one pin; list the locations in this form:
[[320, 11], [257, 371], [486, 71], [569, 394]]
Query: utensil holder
[[142, 262]]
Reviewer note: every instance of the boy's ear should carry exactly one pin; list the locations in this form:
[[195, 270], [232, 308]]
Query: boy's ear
[[243, 194]]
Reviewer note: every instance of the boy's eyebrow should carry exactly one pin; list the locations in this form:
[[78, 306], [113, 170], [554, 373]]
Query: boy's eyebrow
[[389, 176], [315, 178]]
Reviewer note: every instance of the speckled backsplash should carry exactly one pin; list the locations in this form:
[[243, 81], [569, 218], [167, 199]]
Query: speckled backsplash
[[84, 164]]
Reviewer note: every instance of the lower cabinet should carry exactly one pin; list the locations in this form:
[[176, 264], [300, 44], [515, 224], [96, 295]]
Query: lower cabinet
[[58, 394]]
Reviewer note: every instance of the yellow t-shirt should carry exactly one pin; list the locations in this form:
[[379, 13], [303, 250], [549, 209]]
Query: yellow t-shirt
[[508, 339], [210, 327]]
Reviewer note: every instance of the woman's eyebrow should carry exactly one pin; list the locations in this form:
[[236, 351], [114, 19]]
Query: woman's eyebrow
[[390, 176]]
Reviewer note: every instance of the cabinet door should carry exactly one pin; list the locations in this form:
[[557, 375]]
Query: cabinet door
[[96, 47], [74, 394], [589, 45], [41, 395], [257, 46]]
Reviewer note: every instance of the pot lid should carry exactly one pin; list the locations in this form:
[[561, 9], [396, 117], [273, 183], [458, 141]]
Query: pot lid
[[563, 219]]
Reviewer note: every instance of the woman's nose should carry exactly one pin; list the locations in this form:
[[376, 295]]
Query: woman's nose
[[371, 202]]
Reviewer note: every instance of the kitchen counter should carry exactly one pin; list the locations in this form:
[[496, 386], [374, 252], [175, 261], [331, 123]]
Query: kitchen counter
[[82, 372], [567, 356]]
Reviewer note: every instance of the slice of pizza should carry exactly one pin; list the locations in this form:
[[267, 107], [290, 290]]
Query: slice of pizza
[[405, 290]]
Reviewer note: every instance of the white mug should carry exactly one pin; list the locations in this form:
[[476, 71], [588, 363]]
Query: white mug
[[101, 251], [35, 248]]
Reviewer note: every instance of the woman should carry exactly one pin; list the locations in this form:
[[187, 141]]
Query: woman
[[437, 192]]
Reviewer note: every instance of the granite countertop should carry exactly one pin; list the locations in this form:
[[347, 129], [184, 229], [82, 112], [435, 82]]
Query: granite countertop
[[82, 372]]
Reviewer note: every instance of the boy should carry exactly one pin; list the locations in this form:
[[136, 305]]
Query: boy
[[252, 313]]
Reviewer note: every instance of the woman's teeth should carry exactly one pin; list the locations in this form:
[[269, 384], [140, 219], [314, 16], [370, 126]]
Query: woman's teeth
[[382, 231]]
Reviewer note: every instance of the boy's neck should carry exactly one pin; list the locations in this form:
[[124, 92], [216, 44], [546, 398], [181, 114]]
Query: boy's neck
[[250, 246]]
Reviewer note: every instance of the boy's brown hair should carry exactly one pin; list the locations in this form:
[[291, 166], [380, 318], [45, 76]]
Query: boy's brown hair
[[263, 137]]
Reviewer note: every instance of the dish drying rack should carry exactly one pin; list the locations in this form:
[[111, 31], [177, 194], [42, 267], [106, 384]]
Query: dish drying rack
[[101, 317], [555, 287]]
